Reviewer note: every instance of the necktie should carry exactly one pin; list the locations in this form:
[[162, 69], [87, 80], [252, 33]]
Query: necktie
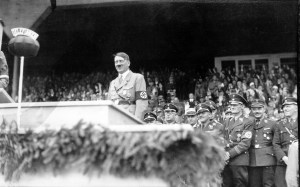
[[291, 121], [121, 79], [257, 122]]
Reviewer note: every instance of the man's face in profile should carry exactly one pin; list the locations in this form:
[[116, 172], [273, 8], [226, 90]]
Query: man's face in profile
[[121, 64]]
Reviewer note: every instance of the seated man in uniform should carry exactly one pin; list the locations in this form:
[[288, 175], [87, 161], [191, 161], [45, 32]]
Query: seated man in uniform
[[128, 89], [170, 111]]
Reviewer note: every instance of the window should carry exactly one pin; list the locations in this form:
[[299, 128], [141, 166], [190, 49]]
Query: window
[[228, 64], [291, 62], [246, 64], [259, 63]]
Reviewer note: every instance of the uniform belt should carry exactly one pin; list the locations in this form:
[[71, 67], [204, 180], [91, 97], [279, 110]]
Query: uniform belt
[[125, 102], [258, 146]]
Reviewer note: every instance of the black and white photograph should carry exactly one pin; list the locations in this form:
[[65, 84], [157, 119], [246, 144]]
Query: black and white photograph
[[149, 93]]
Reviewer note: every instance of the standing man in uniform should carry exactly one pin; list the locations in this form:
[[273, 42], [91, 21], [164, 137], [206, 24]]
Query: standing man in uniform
[[170, 111], [238, 134], [191, 116], [215, 115], [128, 89], [262, 157], [286, 131], [206, 123]]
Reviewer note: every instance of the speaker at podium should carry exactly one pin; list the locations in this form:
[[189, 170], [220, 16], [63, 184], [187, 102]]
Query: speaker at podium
[[54, 115]]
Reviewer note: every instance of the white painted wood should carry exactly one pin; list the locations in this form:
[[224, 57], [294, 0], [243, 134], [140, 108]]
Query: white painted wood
[[75, 179]]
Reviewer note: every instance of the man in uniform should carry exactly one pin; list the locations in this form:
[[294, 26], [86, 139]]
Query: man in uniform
[[128, 89], [286, 131], [238, 134], [262, 157], [170, 111], [215, 114], [150, 118], [4, 79], [207, 124], [191, 116], [158, 111], [227, 114]]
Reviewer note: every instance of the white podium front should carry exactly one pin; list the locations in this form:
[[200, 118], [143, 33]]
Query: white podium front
[[67, 114]]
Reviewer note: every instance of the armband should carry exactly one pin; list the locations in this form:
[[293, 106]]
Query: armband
[[141, 95]]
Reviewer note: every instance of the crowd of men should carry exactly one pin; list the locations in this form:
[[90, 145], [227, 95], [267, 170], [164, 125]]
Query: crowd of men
[[253, 113], [256, 146]]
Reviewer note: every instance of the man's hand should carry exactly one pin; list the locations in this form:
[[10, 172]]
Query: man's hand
[[285, 159]]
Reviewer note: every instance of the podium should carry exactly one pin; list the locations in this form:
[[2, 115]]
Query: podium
[[4, 97], [54, 115]]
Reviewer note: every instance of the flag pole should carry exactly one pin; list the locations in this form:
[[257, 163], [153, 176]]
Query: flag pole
[[20, 92]]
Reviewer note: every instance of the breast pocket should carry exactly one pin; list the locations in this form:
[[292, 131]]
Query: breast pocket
[[284, 135], [237, 134], [128, 92], [268, 135]]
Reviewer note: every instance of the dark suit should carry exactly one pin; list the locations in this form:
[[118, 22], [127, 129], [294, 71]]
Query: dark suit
[[262, 157], [285, 133], [238, 134]]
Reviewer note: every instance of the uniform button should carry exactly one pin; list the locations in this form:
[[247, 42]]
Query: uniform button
[[256, 130], [256, 135], [255, 140]]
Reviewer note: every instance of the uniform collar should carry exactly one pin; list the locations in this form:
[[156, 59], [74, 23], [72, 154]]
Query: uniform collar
[[205, 124], [237, 117], [260, 122], [126, 79], [124, 74]]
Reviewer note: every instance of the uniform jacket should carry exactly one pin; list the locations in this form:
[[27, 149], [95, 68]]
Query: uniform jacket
[[261, 149], [132, 88], [214, 128], [210, 127], [238, 134], [218, 118], [283, 139]]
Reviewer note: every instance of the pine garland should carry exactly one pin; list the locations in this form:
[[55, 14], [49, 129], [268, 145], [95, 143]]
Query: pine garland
[[182, 158]]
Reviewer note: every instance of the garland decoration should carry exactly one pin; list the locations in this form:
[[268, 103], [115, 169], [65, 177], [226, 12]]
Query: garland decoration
[[181, 158]]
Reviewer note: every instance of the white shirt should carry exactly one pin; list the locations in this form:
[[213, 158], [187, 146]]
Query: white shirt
[[123, 75]]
